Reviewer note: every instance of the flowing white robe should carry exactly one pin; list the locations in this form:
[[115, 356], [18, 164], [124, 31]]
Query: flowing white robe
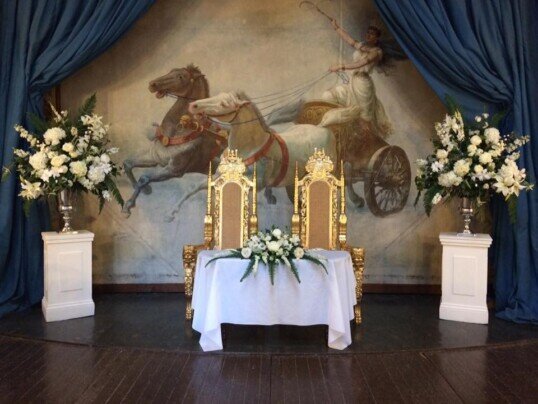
[[358, 98]]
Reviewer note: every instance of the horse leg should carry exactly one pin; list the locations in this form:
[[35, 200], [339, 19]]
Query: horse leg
[[138, 161], [290, 190], [348, 174], [197, 188], [160, 174], [264, 177]]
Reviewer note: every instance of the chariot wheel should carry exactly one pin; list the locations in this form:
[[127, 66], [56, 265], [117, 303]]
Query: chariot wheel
[[388, 180]]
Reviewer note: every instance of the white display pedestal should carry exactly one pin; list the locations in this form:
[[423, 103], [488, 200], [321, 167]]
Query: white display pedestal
[[465, 278], [68, 275]]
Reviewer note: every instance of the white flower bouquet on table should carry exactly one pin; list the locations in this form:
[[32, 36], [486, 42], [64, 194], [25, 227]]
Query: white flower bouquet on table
[[68, 154], [272, 247], [471, 160]]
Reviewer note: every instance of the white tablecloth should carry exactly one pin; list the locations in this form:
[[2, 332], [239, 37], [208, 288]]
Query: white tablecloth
[[219, 297]]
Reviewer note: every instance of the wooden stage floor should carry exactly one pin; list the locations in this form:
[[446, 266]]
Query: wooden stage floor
[[138, 349]]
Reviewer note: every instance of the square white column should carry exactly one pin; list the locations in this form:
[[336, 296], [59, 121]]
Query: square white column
[[465, 278], [68, 275]]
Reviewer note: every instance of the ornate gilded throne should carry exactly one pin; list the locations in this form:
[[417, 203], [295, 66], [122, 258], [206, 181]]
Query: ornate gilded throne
[[230, 216], [319, 214]]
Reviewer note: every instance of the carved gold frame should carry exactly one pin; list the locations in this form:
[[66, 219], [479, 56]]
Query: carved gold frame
[[319, 167], [231, 170]]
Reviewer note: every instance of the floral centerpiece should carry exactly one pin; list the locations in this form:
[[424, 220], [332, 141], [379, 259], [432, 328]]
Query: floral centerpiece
[[66, 154], [272, 248], [471, 161]]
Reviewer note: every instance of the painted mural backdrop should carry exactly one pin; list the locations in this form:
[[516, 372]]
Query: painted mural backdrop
[[274, 81]]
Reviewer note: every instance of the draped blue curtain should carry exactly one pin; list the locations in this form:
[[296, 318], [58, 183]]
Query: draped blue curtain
[[41, 43], [484, 54]]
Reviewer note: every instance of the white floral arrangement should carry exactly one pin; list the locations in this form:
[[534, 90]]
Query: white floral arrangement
[[272, 247], [471, 160], [69, 154]]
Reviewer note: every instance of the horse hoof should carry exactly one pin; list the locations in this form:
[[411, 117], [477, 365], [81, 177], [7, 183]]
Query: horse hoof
[[169, 218], [147, 190], [126, 213]]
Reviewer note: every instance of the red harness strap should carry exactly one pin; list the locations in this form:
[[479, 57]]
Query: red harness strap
[[263, 151], [177, 140], [284, 164]]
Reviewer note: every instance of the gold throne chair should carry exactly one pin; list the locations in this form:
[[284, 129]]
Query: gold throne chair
[[230, 216], [319, 214]]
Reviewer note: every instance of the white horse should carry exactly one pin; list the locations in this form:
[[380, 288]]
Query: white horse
[[275, 154]]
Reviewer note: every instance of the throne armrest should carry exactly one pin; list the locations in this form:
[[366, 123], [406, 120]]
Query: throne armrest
[[357, 258], [190, 255]]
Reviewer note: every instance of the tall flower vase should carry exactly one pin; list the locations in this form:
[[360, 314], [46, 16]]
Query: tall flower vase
[[65, 207], [467, 211]]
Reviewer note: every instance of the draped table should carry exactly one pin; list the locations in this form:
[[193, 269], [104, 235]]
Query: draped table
[[219, 297]]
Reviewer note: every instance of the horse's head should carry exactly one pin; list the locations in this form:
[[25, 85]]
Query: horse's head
[[223, 106], [179, 82]]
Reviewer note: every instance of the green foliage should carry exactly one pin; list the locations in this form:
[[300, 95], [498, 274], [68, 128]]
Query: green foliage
[[451, 104], [88, 106], [315, 261], [272, 266], [497, 118], [113, 189], [232, 254], [26, 205], [295, 271], [6, 172], [511, 203], [40, 125], [249, 269]]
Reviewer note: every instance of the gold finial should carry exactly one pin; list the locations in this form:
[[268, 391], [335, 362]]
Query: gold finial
[[254, 195], [343, 190], [209, 175], [296, 190]]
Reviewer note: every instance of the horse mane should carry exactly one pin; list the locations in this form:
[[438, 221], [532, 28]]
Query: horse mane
[[193, 69], [243, 97]]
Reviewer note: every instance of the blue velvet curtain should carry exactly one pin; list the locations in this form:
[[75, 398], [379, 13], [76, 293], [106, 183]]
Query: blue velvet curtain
[[41, 43], [484, 54]]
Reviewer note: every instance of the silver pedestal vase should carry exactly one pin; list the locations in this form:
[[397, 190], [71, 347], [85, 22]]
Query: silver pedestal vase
[[65, 207], [467, 211]]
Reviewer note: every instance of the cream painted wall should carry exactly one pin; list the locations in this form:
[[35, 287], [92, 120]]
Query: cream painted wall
[[258, 47]]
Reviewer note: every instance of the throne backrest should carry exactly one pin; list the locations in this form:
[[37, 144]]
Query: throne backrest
[[319, 217], [231, 204]]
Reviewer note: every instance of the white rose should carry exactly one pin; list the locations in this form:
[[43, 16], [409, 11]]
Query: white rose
[[53, 136], [485, 158], [476, 140], [273, 246], [493, 135], [78, 168], [471, 150], [68, 147], [38, 161], [96, 174], [442, 154], [437, 166], [105, 158], [74, 131], [436, 199], [299, 253], [477, 118], [246, 252], [478, 168], [58, 161], [461, 168]]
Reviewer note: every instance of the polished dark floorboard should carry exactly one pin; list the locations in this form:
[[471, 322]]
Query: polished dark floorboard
[[35, 371], [390, 323]]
